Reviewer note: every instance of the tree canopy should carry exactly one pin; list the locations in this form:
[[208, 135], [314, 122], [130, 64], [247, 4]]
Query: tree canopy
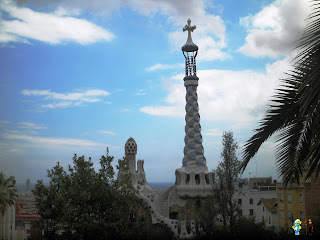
[[221, 201], [8, 191], [294, 114], [82, 203]]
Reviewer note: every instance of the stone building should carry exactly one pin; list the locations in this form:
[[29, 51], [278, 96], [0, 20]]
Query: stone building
[[250, 201], [176, 207], [254, 182], [26, 215], [269, 212], [28, 189], [298, 201]]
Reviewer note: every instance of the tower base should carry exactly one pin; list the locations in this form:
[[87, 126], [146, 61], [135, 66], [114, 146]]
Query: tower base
[[193, 182]]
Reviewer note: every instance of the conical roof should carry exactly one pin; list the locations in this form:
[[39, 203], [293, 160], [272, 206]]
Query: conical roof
[[130, 146]]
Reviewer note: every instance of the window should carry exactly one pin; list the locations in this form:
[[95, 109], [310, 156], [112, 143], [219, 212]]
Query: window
[[269, 220], [290, 215], [198, 203], [188, 227], [240, 212], [281, 214], [251, 200], [197, 179], [281, 197], [263, 209], [289, 198], [301, 215], [240, 201], [251, 212], [300, 198]]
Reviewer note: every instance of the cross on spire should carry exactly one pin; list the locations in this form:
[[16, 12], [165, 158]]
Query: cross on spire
[[189, 46], [190, 29]]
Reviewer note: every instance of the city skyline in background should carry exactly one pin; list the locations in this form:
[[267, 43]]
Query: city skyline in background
[[79, 77]]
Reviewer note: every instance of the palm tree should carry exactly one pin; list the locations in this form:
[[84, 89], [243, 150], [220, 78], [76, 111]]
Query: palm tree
[[294, 114], [8, 192]]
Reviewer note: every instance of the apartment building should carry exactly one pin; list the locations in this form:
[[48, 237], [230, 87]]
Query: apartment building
[[269, 212], [298, 201], [249, 200]]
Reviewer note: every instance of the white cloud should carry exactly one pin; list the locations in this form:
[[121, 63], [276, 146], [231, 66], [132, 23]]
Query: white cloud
[[53, 28], [30, 125], [107, 132], [210, 32], [4, 123], [57, 105], [159, 66], [171, 111], [141, 92], [60, 11], [213, 132], [67, 99], [210, 36], [50, 142], [236, 96], [274, 30]]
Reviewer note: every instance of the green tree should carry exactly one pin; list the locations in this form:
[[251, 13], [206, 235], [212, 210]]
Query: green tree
[[206, 217], [294, 114], [226, 174], [84, 204], [8, 192], [248, 228]]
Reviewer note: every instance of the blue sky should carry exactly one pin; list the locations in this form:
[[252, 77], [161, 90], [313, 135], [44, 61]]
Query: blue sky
[[78, 76]]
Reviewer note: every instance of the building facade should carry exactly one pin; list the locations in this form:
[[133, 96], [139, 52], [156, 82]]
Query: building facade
[[298, 201], [269, 212], [250, 201], [26, 215]]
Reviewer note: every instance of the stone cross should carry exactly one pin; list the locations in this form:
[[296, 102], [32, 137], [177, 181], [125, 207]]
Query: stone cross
[[190, 29]]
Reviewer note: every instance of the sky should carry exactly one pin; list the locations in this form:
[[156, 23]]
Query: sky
[[80, 76]]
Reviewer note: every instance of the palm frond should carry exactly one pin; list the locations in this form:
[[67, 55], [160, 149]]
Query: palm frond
[[295, 113], [279, 115]]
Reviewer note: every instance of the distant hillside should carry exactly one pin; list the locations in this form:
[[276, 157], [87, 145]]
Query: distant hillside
[[22, 187], [161, 185]]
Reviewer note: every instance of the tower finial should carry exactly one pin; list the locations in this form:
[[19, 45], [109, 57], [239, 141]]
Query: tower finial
[[190, 51], [189, 46]]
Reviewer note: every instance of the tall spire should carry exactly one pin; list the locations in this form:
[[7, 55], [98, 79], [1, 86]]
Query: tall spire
[[193, 149]]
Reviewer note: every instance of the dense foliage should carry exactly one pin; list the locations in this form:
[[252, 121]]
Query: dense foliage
[[81, 203], [245, 228], [8, 192], [221, 203], [226, 174]]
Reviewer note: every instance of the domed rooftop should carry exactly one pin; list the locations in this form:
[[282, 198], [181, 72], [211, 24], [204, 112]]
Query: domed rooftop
[[130, 146]]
